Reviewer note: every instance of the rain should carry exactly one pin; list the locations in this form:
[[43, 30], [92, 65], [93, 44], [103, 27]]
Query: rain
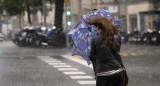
[[48, 42]]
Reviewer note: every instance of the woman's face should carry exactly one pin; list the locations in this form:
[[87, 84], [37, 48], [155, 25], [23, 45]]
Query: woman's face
[[98, 30]]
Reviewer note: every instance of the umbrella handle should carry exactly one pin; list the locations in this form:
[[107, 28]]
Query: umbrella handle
[[89, 29]]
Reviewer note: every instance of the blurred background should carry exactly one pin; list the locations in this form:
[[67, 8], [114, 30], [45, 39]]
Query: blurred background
[[32, 28], [140, 17]]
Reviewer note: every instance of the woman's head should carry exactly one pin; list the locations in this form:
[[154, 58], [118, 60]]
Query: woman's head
[[106, 28]]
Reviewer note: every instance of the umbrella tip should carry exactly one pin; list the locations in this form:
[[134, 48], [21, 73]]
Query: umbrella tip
[[94, 9]]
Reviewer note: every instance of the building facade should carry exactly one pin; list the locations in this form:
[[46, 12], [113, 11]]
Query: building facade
[[36, 19], [128, 10]]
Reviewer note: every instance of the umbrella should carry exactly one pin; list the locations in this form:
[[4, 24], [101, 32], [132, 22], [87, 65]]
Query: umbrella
[[83, 33]]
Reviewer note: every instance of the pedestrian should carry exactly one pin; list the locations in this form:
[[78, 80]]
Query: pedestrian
[[107, 64]]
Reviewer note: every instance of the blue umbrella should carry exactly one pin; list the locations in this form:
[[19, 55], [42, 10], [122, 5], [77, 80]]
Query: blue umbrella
[[83, 33]]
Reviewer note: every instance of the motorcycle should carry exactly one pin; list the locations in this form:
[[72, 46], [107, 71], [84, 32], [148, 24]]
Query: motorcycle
[[155, 37], [43, 40], [20, 38]]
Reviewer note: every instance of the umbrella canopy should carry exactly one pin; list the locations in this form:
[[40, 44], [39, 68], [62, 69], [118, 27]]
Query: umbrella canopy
[[83, 33]]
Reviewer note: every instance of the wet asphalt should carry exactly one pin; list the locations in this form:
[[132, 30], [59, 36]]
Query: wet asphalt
[[20, 66]]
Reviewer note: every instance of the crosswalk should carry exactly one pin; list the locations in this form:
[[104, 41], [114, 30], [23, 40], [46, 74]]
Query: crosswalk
[[74, 73], [65, 69]]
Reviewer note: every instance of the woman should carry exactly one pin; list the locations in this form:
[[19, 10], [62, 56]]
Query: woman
[[107, 69]]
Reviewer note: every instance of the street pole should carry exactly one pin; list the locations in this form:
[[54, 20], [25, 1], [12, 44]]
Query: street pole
[[127, 16], [98, 4], [44, 12], [13, 32], [67, 39]]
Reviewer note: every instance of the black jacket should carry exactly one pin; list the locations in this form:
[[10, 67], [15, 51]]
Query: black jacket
[[102, 58]]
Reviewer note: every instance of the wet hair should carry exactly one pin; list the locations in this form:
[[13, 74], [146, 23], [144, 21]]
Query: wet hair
[[108, 30]]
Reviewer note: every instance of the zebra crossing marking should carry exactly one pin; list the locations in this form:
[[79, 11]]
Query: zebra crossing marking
[[67, 69], [57, 63], [62, 66], [53, 61], [50, 60], [86, 82], [81, 77], [73, 73]]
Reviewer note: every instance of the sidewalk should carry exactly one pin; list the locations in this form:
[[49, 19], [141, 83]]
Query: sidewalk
[[9, 48], [127, 49]]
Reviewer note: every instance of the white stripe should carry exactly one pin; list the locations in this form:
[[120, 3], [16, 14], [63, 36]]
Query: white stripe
[[62, 66], [72, 73], [53, 61], [81, 77], [78, 60], [57, 63], [43, 56], [86, 82], [49, 59], [109, 72], [64, 69]]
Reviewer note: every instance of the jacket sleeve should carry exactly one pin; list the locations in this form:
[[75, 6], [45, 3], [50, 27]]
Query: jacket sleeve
[[92, 55]]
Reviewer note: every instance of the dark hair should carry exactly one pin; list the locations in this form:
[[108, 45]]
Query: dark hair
[[108, 30]]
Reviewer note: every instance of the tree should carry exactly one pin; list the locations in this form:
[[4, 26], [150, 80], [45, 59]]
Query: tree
[[13, 7], [17, 7], [32, 6], [59, 5], [58, 36]]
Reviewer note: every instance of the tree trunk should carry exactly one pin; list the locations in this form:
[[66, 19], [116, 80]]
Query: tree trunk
[[59, 36], [59, 5], [29, 14]]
